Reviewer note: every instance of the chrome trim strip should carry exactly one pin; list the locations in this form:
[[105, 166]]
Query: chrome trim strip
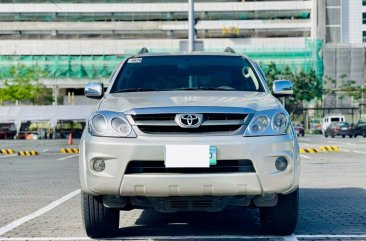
[[189, 109], [222, 122], [205, 123], [156, 123]]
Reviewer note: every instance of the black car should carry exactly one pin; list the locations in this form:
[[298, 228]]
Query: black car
[[7, 130], [360, 128], [339, 129]]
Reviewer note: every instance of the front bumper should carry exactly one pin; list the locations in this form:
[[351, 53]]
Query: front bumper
[[117, 152]]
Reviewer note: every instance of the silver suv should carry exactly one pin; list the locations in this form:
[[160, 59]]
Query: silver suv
[[189, 132]]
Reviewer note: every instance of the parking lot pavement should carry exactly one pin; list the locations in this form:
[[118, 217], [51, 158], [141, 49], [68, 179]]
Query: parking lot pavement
[[42, 146], [332, 200]]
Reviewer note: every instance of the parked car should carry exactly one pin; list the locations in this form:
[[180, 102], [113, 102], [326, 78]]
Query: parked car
[[299, 128], [316, 126], [330, 119], [34, 130], [7, 130], [65, 127], [360, 128], [189, 132], [339, 129]]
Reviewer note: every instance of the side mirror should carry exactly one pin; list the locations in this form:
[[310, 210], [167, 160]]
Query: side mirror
[[282, 88], [94, 90]]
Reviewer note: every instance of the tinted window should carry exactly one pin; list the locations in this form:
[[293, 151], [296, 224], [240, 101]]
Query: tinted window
[[187, 72], [342, 124], [334, 119]]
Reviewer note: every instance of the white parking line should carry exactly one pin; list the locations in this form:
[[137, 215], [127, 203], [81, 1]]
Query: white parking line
[[45, 238], [64, 158], [8, 156], [292, 237], [359, 152], [151, 238], [305, 156], [314, 236], [37, 213]]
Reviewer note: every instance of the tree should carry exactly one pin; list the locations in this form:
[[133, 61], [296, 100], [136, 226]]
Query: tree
[[345, 88], [307, 86], [24, 86]]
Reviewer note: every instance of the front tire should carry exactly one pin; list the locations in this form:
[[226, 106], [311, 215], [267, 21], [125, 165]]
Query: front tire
[[99, 221], [282, 218]]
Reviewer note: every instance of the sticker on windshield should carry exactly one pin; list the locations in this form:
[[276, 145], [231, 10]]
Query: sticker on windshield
[[134, 60]]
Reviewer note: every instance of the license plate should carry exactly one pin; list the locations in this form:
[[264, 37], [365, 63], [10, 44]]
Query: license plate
[[186, 156], [344, 128], [213, 152]]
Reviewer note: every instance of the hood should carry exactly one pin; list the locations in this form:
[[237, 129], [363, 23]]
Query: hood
[[257, 101]]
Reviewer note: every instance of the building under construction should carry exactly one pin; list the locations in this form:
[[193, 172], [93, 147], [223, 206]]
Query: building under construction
[[78, 41]]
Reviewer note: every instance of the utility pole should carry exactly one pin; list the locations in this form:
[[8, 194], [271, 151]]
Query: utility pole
[[191, 32]]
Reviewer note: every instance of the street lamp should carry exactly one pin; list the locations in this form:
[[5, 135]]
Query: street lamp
[[191, 33]]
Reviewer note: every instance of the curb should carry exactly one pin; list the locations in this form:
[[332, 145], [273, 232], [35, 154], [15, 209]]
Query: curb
[[28, 153], [330, 148], [308, 150], [7, 152], [320, 149], [69, 150]]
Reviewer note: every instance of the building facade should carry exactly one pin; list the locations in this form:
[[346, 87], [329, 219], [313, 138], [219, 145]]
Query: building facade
[[78, 41], [343, 27]]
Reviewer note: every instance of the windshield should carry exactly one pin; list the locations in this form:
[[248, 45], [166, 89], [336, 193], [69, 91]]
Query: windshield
[[342, 124], [334, 119], [164, 73]]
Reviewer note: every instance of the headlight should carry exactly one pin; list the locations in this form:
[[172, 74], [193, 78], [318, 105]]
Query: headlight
[[111, 124], [268, 123], [121, 126], [99, 124], [280, 123], [260, 124]]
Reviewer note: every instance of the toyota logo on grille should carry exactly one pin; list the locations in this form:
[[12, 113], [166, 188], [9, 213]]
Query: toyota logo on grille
[[189, 120]]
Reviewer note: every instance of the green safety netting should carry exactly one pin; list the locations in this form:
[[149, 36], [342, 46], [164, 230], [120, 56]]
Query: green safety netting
[[97, 67], [77, 67]]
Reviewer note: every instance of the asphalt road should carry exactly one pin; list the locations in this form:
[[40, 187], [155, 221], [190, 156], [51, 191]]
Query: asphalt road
[[40, 199]]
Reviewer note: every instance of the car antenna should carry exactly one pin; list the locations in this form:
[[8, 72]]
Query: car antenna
[[229, 50], [143, 51]]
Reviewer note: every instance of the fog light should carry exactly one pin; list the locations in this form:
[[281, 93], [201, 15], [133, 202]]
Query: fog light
[[281, 163], [98, 165]]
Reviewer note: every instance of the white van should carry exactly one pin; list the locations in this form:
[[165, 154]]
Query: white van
[[329, 119]]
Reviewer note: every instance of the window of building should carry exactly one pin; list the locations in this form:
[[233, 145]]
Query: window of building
[[364, 36], [364, 2], [364, 18]]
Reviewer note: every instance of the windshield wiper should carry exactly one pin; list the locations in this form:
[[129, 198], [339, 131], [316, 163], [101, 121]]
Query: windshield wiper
[[134, 90], [226, 88]]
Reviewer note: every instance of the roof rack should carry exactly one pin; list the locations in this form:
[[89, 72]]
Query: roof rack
[[229, 50], [143, 51]]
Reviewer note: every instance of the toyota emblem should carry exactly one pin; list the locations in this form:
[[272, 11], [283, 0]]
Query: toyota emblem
[[189, 120]]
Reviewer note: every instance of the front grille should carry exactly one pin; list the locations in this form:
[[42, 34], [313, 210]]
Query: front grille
[[223, 116], [153, 117], [211, 123], [178, 129], [223, 166], [185, 204]]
